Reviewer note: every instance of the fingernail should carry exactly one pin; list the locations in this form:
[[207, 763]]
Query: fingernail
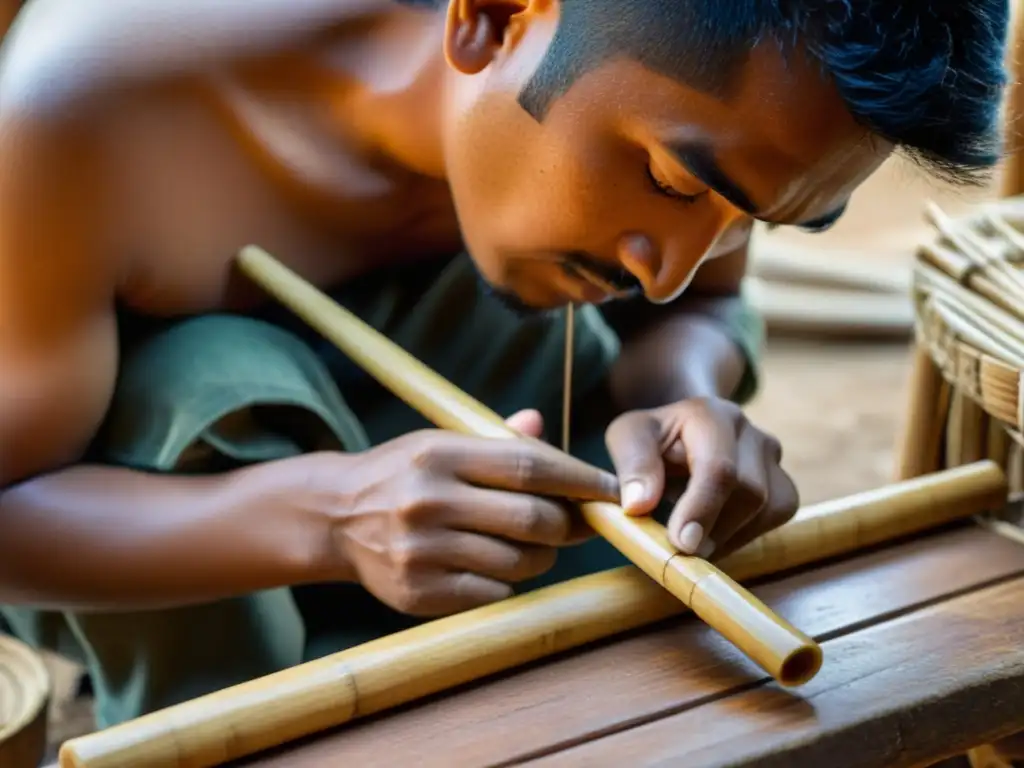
[[690, 537], [632, 494]]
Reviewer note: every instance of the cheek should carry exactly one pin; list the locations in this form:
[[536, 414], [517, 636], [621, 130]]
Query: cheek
[[561, 185], [489, 166], [569, 192]]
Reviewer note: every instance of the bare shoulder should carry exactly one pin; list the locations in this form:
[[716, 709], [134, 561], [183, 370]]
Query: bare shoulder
[[58, 336]]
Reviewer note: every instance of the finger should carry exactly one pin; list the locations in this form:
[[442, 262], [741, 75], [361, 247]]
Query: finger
[[752, 490], [483, 555], [634, 445], [783, 503], [528, 422], [517, 517], [528, 466], [711, 454], [443, 593]]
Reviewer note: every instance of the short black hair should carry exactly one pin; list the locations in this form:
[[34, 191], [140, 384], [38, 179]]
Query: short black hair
[[925, 75]]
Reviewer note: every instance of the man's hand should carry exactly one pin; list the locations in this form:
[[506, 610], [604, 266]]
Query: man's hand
[[722, 472], [435, 522]]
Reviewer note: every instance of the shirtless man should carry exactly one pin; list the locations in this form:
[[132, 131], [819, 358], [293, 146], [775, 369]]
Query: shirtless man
[[195, 490]]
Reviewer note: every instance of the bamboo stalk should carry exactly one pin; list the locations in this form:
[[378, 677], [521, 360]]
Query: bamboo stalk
[[920, 449], [974, 440], [382, 674], [1015, 468], [783, 651], [998, 443], [965, 430], [955, 429]]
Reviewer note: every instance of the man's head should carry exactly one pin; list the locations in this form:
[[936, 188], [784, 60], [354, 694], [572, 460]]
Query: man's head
[[639, 137]]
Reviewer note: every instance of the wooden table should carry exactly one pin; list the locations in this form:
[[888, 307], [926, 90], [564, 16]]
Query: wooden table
[[924, 658]]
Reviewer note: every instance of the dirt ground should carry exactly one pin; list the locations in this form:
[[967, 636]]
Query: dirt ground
[[836, 405]]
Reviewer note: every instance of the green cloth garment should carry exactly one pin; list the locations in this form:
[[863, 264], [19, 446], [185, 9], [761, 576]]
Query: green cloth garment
[[210, 393]]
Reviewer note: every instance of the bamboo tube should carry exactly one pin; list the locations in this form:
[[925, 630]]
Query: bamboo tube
[[955, 430], [974, 423], [1015, 468], [965, 430], [783, 651], [998, 443], [382, 674], [920, 450], [1013, 172]]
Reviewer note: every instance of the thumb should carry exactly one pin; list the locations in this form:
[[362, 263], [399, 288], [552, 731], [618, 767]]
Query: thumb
[[528, 423], [634, 444]]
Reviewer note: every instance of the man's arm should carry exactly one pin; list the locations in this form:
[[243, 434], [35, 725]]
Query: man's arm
[[99, 537], [701, 345], [61, 50]]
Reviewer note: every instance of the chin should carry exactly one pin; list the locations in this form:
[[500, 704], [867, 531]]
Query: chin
[[513, 302]]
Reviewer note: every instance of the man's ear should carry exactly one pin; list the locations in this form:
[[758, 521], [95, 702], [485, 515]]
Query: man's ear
[[475, 30]]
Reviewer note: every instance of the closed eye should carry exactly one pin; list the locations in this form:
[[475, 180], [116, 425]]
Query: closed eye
[[817, 226], [667, 190]]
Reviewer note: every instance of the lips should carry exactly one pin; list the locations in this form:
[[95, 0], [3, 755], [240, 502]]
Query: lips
[[596, 287]]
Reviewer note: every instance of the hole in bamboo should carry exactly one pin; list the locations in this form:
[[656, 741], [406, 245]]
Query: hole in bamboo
[[801, 666]]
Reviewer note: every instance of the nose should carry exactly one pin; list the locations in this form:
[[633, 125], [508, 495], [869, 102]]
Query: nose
[[664, 272], [665, 266]]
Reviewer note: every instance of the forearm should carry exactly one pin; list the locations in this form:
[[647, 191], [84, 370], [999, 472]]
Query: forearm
[[690, 352], [707, 343], [104, 538], [66, 49]]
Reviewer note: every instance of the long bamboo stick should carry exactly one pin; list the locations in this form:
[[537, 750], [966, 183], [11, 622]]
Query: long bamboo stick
[[382, 674], [783, 651]]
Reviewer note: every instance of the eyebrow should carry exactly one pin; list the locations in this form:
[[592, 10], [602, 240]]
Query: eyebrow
[[699, 160]]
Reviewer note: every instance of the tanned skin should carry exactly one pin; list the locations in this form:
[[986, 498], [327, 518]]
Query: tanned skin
[[142, 144]]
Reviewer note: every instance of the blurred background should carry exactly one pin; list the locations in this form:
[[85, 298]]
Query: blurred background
[[836, 361]]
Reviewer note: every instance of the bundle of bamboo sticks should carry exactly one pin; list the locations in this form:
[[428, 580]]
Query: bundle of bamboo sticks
[[968, 293]]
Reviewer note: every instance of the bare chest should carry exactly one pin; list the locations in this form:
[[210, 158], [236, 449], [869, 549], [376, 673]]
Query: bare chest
[[194, 178]]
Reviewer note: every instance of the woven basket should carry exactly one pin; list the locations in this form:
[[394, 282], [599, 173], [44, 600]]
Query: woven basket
[[24, 696], [968, 292]]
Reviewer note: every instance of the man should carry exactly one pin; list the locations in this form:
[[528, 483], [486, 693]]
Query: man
[[197, 490]]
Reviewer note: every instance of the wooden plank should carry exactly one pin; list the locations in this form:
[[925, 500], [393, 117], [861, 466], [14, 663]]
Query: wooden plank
[[931, 683], [585, 695]]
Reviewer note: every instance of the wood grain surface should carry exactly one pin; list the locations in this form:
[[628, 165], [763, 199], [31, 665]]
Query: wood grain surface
[[944, 678], [660, 675]]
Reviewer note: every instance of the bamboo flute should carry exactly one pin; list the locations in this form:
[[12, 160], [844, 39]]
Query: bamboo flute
[[786, 653], [439, 655]]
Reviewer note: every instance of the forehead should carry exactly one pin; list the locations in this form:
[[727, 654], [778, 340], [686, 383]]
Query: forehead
[[781, 125]]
